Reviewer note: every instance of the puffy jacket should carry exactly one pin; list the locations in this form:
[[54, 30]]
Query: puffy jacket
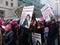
[[8, 38]]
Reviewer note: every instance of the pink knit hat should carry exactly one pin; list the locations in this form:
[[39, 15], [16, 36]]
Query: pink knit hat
[[8, 26]]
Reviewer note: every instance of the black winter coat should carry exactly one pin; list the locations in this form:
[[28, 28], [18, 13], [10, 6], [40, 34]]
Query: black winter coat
[[53, 31], [8, 38], [41, 31]]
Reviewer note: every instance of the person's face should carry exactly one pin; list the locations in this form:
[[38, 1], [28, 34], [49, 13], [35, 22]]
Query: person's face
[[34, 23], [53, 22], [28, 18], [6, 30]]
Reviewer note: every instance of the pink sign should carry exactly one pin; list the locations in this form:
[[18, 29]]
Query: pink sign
[[41, 18]]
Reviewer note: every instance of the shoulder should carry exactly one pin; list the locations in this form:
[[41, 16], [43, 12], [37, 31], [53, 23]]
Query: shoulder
[[11, 33]]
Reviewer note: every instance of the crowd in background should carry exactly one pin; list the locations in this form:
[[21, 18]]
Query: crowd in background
[[10, 30]]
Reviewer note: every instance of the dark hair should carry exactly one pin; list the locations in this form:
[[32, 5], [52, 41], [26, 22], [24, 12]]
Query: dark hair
[[37, 43], [28, 16], [53, 20]]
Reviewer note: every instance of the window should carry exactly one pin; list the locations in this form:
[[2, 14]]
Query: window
[[2, 13], [6, 3], [11, 4]]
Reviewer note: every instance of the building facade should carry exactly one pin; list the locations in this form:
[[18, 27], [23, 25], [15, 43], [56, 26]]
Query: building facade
[[7, 8]]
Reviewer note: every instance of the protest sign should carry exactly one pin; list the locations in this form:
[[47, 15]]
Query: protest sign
[[47, 12], [36, 39], [26, 14]]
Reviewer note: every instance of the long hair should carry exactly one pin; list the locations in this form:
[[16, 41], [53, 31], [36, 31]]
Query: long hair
[[28, 16], [37, 43]]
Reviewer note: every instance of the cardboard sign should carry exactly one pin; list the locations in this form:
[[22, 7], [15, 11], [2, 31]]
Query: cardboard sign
[[27, 12], [36, 39], [47, 12]]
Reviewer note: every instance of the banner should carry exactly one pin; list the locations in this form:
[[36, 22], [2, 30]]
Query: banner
[[36, 39], [47, 12], [26, 13]]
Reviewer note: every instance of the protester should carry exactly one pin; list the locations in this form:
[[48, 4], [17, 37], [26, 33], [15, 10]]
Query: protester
[[10, 30], [40, 29], [59, 34], [8, 36], [53, 32], [2, 25], [24, 35], [0, 37], [14, 29], [34, 25]]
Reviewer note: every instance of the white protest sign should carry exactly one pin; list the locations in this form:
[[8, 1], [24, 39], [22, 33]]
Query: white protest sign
[[47, 12], [36, 39], [27, 10]]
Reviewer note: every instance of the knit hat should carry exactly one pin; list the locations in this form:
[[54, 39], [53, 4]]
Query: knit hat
[[8, 26], [13, 22]]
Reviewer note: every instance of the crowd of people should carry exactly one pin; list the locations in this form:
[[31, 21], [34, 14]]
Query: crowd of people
[[10, 30], [52, 31]]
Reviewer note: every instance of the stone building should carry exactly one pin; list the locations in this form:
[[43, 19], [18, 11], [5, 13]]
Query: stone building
[[7, 8]]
